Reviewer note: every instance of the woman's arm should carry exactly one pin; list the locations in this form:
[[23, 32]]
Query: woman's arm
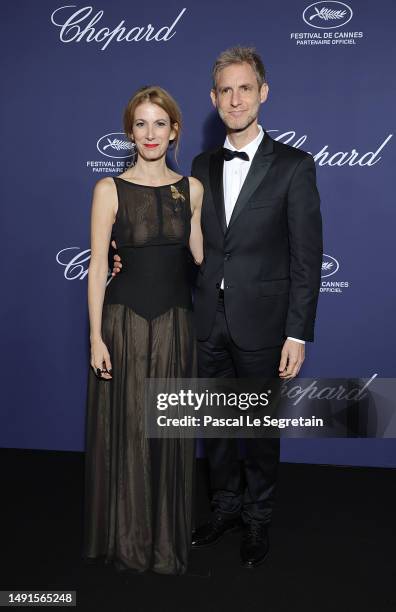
[[196, 238], [104, 209]]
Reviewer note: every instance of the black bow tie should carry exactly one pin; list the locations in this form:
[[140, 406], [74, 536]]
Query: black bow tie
[[228, 154]]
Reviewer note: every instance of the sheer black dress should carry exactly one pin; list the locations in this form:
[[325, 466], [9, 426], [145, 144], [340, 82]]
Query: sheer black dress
[[138, 491]]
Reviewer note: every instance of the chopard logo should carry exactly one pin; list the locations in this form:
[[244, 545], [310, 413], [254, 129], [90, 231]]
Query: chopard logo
[[327, 15], [76, 266], [338, 158], [116, 145], [77, 26]]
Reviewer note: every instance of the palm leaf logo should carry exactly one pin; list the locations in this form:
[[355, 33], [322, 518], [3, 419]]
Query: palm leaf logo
[[327, 14], [118, 145]]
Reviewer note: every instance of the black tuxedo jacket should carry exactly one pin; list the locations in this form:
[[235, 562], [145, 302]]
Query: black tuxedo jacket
[[270, 255]]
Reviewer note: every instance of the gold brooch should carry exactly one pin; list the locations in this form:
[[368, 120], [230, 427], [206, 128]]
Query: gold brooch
[[176, 195]]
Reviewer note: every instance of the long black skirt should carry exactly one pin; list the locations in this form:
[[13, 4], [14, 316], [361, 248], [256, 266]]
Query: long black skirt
[[138, 491]]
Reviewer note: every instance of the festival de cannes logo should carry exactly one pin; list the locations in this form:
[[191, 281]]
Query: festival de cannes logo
[[329, 265], [120, 152], [116, 145], [327, 15]]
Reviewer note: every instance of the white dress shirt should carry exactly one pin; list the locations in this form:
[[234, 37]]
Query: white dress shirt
[[234, 175]]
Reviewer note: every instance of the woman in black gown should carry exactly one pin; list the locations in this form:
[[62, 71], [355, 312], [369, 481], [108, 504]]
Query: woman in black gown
[[138, 491]]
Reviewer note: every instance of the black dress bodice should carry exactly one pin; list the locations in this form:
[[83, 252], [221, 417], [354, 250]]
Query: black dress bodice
[[152, 230]]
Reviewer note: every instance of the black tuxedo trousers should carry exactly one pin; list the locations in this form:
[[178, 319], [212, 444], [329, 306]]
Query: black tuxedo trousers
[[245, 489]]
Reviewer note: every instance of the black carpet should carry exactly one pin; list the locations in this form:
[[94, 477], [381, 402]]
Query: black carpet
[[332, 544]]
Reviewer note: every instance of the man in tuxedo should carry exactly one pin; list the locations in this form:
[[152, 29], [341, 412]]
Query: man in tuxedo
[[257, 288]]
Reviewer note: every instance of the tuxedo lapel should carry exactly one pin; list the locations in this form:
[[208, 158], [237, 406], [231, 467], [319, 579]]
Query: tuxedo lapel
[[216, 185], [260, 165]]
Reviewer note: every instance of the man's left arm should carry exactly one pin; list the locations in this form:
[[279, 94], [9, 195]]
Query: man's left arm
[[306, 249]]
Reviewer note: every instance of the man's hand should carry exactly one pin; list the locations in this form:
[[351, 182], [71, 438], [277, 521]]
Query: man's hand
[[117, 265], [292, 357]]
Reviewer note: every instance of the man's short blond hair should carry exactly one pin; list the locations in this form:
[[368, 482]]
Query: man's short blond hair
[[240, 55]]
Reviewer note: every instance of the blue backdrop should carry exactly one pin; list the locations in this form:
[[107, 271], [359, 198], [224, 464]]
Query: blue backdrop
[[68, 74]]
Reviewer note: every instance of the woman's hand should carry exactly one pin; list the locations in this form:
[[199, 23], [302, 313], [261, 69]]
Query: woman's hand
[[196, 239], [100, 359]]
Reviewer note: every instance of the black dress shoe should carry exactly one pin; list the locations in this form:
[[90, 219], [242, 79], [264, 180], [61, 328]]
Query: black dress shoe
[[255, 545], [212, 532]]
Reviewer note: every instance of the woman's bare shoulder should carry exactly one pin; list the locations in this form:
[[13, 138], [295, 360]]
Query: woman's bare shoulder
[[105, 185]]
